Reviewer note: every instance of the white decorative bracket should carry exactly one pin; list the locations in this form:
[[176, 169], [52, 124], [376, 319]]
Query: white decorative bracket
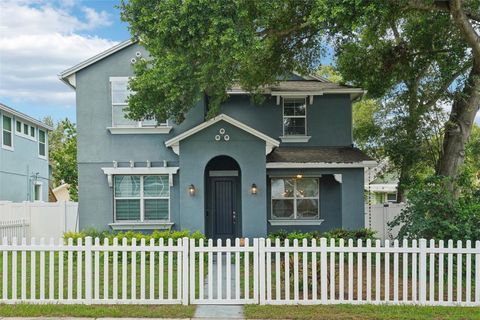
[[110, 180], [110, 172], [338, 177], [311, 99], [278, 100]]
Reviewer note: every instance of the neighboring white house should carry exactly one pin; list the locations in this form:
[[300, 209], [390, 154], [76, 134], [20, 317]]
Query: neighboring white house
[[381, 185]]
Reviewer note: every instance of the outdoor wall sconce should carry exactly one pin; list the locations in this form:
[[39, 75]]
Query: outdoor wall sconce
[[191, 190], [254, 189], [299, 176]]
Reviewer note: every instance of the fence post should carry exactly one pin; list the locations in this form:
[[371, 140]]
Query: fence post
[[88, 270], [185, 271], [323, 269], [261, 280], [423, 271]]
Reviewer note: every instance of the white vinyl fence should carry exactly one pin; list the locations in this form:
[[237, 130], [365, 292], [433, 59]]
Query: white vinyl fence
[[323, 272], [37, 219], [377, 217]]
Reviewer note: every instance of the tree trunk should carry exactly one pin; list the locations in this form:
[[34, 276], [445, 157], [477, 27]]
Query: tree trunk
[[459, 125]]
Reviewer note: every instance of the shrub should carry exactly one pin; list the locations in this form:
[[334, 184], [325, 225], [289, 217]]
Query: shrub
[[337, 234], [129, 235], [433, 212]]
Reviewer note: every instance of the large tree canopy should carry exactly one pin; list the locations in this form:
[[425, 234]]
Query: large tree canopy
[[412, 54]]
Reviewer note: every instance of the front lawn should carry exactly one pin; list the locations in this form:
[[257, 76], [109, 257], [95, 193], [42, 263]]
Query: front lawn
[[361, 312], [96, 311]]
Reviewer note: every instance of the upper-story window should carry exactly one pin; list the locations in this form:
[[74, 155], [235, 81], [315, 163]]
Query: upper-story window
[[42, 143], [294, 116], [7, 137], [120, 93], [25, 130]]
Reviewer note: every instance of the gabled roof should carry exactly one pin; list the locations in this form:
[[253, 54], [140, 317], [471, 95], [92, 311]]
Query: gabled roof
[[25, 117], [65, 75], [174, 142]]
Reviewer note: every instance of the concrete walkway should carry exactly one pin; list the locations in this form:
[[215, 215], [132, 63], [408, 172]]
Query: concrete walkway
[[219, 311]]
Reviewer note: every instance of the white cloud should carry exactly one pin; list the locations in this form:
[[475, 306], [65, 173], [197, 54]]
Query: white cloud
[[38, 41]]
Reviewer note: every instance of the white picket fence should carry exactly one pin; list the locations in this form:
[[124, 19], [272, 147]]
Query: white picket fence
[[324, 272], [37, 219]]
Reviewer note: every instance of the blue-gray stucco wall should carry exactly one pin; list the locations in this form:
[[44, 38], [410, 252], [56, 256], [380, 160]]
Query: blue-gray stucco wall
[[329, 124], [329, 118], [19, 167], [341, 204], [249, 152]]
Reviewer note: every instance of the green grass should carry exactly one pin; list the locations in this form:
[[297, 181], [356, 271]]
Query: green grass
[[361, 312], [140, 311]]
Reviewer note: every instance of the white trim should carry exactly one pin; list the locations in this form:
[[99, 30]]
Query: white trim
[[223, 173], [22, 134], [45, 143], [298, 222], [64, 75], [38, 183], [146, 171], [295, 199], [12, 130], [23, 116], [297, 165], [297, 94], [140, 225], [383, 187], [299, 117], [289, 139], [174, 142], [140, 130]]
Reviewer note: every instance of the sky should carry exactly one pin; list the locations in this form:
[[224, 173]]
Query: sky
[[41, 38]]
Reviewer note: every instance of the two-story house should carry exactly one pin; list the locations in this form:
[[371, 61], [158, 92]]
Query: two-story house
[[287, 163], [24, 168]]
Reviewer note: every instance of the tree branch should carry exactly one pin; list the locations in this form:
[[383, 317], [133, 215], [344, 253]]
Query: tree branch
[[437, 6], [461, 20]]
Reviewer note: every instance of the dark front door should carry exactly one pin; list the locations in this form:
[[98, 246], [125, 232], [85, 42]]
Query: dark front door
[[223, 213]]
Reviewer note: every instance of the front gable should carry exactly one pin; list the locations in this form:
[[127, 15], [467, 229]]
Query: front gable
[[221, 133]]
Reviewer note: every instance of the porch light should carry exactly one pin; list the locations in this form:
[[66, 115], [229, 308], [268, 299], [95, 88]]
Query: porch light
[[299, 176], [254, 189], [191, 190]]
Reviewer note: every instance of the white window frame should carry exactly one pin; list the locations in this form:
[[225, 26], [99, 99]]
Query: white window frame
[[22, 133], [45, 143], [294, 198], [13, 128], [141, 198], [140, 124], [390, 201], [284, 116]]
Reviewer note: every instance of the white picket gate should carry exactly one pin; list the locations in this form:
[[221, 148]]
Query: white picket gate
[[227, 275], [324, 272]]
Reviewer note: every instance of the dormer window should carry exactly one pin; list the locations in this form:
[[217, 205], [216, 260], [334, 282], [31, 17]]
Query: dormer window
[[294, 119]]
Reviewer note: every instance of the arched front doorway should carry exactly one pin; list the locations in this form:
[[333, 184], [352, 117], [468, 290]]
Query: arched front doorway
[[223, 198]]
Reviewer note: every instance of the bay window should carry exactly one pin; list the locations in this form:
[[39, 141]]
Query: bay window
[[295, 198], [141, 198]]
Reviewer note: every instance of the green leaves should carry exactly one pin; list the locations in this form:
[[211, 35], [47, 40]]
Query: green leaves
[[201, 47], [63, 156]]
